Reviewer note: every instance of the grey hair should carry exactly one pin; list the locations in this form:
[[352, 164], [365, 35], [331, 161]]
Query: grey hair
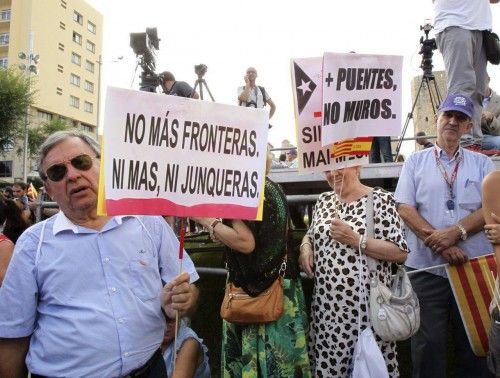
[[59, 137]]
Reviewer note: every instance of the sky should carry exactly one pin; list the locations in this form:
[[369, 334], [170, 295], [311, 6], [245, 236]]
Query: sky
[[229, 35]]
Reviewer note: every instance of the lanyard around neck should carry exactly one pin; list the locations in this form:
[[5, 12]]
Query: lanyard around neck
[[449, 180]]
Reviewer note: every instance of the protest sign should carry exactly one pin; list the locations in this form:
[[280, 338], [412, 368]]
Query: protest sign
[[361, 96], [313, 157], [171, 155]]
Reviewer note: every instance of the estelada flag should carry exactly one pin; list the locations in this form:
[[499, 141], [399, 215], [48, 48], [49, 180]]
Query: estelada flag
[[355, 146], [32, 192], [472, 285]]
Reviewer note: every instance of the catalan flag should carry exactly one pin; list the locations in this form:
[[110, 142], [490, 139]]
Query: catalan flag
[[32, 192], [356, 146], [472, 285]]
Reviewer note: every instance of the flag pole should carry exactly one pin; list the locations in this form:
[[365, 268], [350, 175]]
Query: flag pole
[[181, 255]]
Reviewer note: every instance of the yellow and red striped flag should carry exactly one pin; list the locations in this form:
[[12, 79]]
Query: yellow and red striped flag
[[356, 146], [472, 285], [32, 192]]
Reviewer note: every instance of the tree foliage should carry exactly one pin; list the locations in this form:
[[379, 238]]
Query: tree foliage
[[37, 135], [15, 97]]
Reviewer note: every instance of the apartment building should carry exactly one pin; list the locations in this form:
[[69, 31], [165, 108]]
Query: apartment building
[[67, 37]]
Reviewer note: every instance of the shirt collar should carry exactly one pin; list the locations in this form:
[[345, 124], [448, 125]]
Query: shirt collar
[[458, 154], [62, 223]]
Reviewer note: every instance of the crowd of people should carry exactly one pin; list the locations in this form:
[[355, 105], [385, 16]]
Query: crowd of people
[[111, 282], [87, 295]]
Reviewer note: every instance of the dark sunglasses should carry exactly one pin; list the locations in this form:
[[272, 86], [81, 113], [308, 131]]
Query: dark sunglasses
[[57, 171], [461, 117]]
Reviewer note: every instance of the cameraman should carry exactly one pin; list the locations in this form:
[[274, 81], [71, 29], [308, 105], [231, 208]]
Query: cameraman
[[252, 95], [176, 88]]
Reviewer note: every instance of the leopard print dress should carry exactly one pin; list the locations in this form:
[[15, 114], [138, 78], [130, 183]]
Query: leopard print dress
[[335, 302]]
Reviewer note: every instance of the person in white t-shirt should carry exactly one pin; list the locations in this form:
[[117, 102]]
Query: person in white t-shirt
[[458, 25], [253, 95]]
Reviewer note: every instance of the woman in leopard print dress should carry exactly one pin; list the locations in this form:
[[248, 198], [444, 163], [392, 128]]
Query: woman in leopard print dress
[[329, 253]]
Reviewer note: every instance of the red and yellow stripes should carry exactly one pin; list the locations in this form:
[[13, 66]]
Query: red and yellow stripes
[[473, 293], [356, 146]]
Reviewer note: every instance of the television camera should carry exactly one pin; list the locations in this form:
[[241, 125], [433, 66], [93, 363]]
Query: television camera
[[145, 46], [427, 47]]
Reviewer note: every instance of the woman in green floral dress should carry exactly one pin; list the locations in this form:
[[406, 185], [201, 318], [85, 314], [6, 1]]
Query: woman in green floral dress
[[254, 255]]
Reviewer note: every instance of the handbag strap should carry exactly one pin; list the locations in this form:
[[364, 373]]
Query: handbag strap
[[372, 263]]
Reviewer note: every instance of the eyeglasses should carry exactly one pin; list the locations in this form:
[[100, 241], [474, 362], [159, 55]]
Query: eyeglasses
[[460, 117], [57, 171]]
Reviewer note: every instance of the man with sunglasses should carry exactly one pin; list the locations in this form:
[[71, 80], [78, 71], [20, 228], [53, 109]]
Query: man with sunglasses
[[84, 294], [439, 198]]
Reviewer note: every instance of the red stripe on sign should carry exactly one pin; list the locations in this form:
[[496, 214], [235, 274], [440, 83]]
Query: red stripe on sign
[[317, 114], [469, 297], [162, 206], [481, 283], [363, 139]]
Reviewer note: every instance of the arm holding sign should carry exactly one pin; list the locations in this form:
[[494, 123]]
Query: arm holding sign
[[179, 295], [237, 236]]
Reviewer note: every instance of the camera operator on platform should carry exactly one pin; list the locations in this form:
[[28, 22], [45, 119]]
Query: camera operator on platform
[[176, 88], [252, 95]]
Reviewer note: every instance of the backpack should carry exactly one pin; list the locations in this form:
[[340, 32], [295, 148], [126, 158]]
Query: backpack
[[263, 91]]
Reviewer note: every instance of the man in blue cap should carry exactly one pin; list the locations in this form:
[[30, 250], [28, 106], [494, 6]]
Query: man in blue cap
[[439, 198]]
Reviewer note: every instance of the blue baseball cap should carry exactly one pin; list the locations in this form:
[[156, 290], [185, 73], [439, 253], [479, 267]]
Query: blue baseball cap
[[459, 103]]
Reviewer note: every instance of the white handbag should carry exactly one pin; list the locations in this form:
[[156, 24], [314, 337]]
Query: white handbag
[[394, 311]]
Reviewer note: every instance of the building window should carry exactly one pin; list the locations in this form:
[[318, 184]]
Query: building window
[[74, 79], [61, 46], [74, 101], [77, 38], [90, 46], [87, 128], [59, 91], [4, 39], [63, 4], [44, 115], [62, 25], [60, 68], [5, 15], [3, 62], [77, 17], [88, 107], [6, 168], [77, 59], [91, 27], [89, 66], [89, 86]]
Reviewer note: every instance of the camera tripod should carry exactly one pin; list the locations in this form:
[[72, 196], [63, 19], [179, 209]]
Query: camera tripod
[[200, 82], [428, 81]]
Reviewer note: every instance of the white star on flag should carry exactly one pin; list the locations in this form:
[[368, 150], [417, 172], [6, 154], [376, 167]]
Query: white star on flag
[[304, 87]]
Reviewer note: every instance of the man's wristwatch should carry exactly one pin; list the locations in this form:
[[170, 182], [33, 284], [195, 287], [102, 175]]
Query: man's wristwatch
[[463, 232]]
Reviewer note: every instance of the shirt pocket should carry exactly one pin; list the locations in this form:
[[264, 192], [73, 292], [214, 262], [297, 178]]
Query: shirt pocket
[[146, 281], [470, 200]]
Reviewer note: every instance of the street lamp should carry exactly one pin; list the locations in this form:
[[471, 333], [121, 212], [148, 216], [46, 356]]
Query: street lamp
[[30, 67], [100, 62]]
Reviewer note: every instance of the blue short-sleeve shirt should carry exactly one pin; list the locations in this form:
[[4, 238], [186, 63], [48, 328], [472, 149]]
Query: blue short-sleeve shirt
[[422, 186], [90, 299]]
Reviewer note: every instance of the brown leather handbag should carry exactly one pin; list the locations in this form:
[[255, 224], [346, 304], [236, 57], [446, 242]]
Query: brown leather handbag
[[240, 308]]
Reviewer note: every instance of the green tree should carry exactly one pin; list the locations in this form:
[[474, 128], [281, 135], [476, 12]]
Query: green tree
[[15, 97], [37, 135]]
